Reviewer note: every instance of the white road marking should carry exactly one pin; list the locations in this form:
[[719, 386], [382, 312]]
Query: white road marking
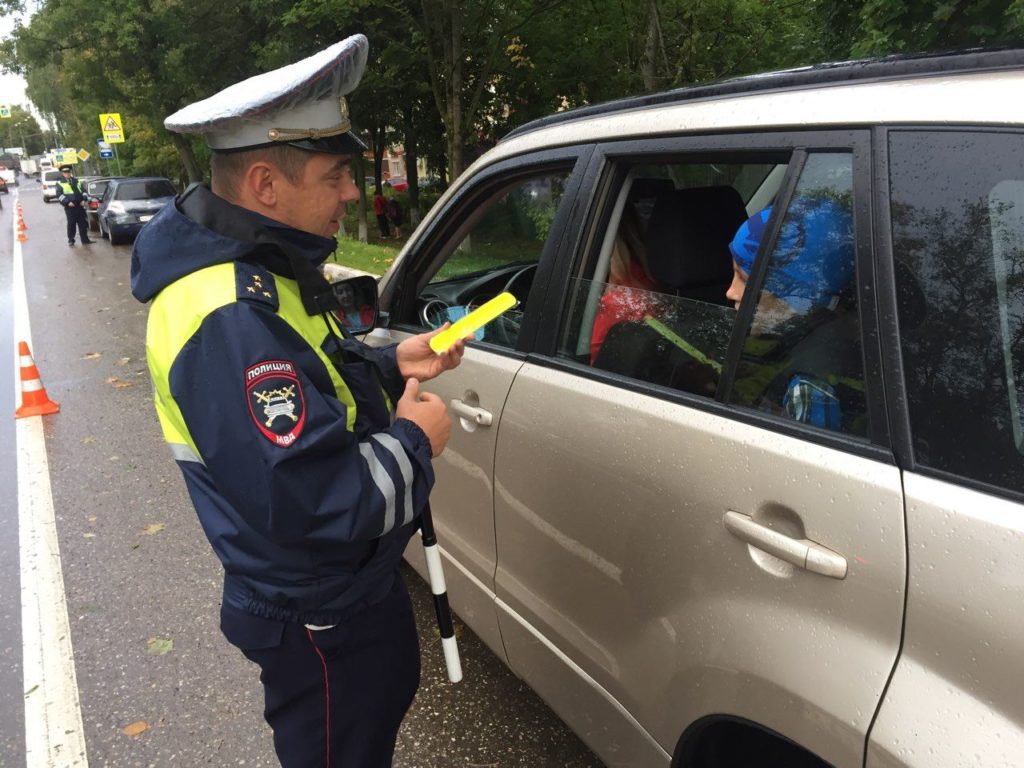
[[54, 735]]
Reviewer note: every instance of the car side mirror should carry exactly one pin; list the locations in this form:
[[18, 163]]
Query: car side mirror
[[357, 308]]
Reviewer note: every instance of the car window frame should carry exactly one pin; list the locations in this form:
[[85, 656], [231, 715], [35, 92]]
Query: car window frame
[[891, 360], [597, 201], [404, 287]]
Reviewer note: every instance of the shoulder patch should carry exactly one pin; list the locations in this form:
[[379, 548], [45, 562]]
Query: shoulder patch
[[276, 402], [255, 283]]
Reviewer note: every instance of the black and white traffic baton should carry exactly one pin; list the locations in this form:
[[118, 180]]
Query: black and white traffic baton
[[440, 590]]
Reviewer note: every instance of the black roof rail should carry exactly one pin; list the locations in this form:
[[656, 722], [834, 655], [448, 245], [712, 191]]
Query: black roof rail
[[882, 68]]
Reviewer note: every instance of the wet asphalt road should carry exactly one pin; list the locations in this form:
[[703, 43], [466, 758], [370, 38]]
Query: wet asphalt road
[[138, 571]]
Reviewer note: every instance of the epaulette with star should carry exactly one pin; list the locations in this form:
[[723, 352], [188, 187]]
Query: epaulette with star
[[255, 283]]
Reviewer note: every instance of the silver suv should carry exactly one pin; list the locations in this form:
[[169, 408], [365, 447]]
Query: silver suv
[[740, 481]]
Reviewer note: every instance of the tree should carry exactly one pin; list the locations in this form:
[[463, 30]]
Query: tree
[[466, 43], [897, 26], [22, 130], [145, 58]]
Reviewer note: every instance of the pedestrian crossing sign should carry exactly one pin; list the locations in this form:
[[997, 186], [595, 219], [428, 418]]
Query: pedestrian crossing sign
[[5, 112], [111, 125]]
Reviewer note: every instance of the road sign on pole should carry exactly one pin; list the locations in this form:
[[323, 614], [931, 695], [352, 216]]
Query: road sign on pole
[[5, 112], [111, 125]]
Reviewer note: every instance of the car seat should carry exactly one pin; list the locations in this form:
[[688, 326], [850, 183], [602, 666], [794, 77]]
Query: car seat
[[688, 241], [687, 245]]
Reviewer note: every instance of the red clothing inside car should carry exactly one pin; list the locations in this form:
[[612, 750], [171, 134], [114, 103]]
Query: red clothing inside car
[[631, 299]]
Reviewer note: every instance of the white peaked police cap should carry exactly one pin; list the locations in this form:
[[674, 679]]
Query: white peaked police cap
[[302, 104]]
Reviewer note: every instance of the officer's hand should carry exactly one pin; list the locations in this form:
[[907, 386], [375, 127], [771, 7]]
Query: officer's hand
[[428, 412], [71, 205], [416, 359]]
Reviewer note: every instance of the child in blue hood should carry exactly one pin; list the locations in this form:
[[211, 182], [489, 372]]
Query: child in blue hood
[[812, 264]]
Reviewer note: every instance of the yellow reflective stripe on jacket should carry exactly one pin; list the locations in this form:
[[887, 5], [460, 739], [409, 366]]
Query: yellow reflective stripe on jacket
[[313, 329], [178, 312]]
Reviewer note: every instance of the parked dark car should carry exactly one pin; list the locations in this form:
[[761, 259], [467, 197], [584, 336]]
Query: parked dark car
[[94, 189], [129, 203]]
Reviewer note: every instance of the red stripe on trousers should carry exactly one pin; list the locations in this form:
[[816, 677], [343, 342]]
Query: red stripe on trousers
[[327, 695]]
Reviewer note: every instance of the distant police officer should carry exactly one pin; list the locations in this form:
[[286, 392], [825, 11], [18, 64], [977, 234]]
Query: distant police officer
[[307, 454], [71, 195]]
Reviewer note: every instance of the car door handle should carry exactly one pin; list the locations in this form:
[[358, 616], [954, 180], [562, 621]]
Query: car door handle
[[471, 412], [802, 553]]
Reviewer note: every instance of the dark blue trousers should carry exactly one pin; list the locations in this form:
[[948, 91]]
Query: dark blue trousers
[[77, 218], [336, 697]]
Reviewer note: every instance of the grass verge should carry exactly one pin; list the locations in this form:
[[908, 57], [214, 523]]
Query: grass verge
[[367, 257]]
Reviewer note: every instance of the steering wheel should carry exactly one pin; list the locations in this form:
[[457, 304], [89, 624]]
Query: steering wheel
[[505, 329], [520, 277]]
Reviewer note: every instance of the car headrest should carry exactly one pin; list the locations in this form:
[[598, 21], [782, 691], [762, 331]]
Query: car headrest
[[689, 233]]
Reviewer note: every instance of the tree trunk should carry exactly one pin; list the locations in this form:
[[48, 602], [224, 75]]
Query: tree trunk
[[188, 157], [379, 145], [411, 172], [360, 179], [649, 64], [455, 133]]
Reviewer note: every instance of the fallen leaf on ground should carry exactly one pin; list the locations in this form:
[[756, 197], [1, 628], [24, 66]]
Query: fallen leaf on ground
[[91, 355], [135, 728], [92, 518], [89, 535], [117, 383], [158, 646], [152, 528], [32, 690], [87, 440], [124, 361]]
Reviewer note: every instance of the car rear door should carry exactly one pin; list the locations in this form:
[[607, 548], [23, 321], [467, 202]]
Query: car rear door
[[502, 229], [668, 556], [954, 278]]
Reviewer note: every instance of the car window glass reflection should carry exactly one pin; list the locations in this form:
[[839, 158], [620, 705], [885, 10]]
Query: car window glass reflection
[[1006, 208], [656, 308], [144, 190], [802, 355], [499, 253], [957, 201]]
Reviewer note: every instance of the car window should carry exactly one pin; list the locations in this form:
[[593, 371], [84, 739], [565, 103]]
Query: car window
[[144, 190], [652, 305], [496, 250], [51, 175], [802, 358], [958, 244], [97, 188]]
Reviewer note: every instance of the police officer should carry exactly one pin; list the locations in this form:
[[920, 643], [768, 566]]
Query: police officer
[[306, 453], [71, 195]]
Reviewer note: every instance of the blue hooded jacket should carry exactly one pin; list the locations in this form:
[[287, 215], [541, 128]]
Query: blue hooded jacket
[[306, 486]]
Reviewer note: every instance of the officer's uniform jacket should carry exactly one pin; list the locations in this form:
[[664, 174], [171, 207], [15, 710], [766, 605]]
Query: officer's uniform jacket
[[304, 483], [70, 191]]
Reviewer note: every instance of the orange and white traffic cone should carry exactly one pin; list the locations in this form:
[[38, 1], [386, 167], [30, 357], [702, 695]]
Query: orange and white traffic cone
[[22, 238], [34, 401], [22, 226]]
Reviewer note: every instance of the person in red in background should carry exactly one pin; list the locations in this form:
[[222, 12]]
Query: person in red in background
[[631, 293], [380, 210]]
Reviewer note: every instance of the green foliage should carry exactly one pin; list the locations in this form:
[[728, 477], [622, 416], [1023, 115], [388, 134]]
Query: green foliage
[[897, 26], [445, 77], [22, 129]]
